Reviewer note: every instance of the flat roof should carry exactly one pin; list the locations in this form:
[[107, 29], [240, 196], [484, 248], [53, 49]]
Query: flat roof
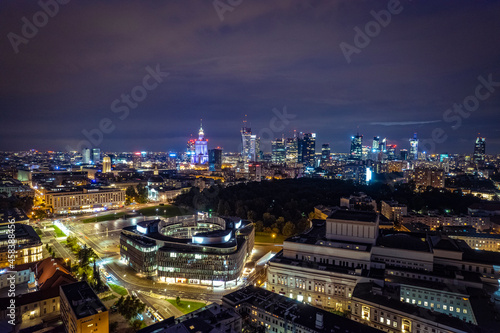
[[404, 241], [354, 215], [364, 292], [82, 299], [295, 312]]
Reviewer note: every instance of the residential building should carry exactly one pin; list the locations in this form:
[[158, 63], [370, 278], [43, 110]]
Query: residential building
[[81, 310]]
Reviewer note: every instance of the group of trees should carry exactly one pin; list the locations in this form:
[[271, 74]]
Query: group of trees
[[86, 256], [138, 194], [129, 307], [284, 206]]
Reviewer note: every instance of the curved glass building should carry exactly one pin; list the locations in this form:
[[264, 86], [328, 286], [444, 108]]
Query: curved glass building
[[194, 249]]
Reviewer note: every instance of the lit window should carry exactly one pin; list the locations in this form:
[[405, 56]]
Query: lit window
[[382, 320], [451, 308], [445, 307]]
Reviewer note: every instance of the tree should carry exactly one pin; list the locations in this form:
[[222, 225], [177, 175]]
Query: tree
[[288, 229], [130, 194], [259, 226], [178, 300], [129, 307], [136, 324], [142, 194]]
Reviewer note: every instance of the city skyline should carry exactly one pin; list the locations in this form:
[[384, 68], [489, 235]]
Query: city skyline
[[200, 63]]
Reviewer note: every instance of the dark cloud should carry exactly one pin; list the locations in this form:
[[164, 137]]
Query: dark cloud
[[263, 55]]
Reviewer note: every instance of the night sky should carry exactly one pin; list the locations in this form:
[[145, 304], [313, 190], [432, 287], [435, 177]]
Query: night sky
[[262, 55]]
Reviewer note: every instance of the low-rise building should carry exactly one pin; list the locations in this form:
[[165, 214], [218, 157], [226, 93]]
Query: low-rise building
[[275, 313], [81, 310], [393, 210], [380, 308]]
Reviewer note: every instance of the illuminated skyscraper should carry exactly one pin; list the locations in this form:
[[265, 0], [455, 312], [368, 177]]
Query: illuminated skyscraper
[[376, 144], [404, 154], [356, 147], [86, 156], [201, 148], [383, 145], [479, 150], [246, 136], [413, 148], [391, 152], [278, 152], [96, 155], [215, 159], [307, 147], [250, 144], [325, 152], [106, 164], [292, 150], [190, 151]]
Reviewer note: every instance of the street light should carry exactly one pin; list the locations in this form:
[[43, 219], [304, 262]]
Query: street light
[[274, 236]]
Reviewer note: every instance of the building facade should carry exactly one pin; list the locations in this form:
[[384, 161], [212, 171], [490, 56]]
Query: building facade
[[88, 200], [190, 249], [26, 244], [81, 310]]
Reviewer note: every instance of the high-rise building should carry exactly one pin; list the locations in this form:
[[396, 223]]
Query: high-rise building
[[404, 154], [215, 159], [86, 156], [278, 152], [106, 164], [136, 160], [413, 148], [383, 145], [307, 145], [376, 144], [292, 150], [96, 155], [391, 152], [201, 148], [250, 144], [356, 147], [325, 152], [254, 147], [246, 134], [479, 150], [190, 149], [81, 310]]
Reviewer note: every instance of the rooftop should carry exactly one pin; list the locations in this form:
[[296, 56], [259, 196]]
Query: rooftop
[[352, 215], [366, 292], [82, 299], [294, 311], [404, 241]]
